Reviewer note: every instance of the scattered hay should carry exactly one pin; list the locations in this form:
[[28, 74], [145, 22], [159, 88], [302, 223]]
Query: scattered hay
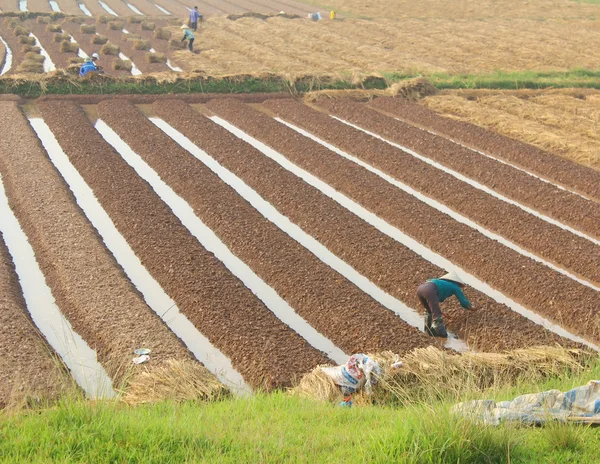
[[31, 66], [176, 44], [135, 19], [53, 27], [56, 15], [133, 37], [21, 31], [75, 60], [430, 373], [162, 34], [102, 19], [61, 37], [146, 26], [174, 22], [122, 65], [43, 20], [110, 49], [116, 25], [98, 40], [76, 19], [67, 46], [88, 28], [264, 17], [142, 45], [411, 89], [156, 58], [26, 40], [35, 57], [175, 381]]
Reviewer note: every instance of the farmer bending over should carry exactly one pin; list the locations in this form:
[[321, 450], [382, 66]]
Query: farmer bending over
[[90, 65], [194, 17], [435, 291], [188, 35]]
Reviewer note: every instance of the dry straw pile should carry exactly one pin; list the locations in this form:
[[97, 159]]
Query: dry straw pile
[[174, 380], [26, 40], [116, 25], [135, 19], [156, 58], [98, 40], [122, 65], [60, 37], [67, 46], [146, 26], [162, 34], [53, 28], [110, 49], [88, 28], [430, 373], [142, 45]]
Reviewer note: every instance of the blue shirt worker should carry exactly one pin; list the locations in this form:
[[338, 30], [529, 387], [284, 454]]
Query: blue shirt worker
[[195, 16], [89, 65], [188, 35], [435, 291]]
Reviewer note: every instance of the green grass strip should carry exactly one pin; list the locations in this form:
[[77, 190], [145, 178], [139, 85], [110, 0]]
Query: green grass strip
[[279, 428]]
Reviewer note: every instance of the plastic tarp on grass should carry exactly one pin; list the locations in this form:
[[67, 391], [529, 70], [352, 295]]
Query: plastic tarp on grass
[[579, 404]]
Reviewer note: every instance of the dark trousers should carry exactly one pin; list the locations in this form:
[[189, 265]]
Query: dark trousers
[[194, 26], [191, 45], [428, 296]]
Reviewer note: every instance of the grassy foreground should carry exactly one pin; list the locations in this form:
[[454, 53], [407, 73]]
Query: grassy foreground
[[282, 428]]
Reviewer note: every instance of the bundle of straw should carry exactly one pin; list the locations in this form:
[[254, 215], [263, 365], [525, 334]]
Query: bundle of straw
[[53, 27], [88, 28]]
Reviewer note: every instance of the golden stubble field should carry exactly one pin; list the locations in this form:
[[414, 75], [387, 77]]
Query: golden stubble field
[[408, 37]]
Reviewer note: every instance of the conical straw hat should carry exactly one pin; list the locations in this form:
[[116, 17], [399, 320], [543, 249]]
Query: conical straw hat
[[453, 276]]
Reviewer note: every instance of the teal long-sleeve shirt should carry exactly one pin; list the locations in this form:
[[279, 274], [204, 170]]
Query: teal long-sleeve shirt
[[448, 288], [187, 34]]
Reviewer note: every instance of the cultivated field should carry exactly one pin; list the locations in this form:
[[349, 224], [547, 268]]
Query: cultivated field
[[262, 237]]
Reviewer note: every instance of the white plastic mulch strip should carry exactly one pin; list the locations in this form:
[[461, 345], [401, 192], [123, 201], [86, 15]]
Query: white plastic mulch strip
[[108, 9], [84, 8], [407, 314], [162, 9], [134, 9], [125, 31], [48, 64], [519, 168], [23, 5], [475, 184], [441, 207], [80, 52], [54, 6], [152, 292], [134, 70], [174, 68], [400, 236], [7, 58], [73, 350], [209, 240]]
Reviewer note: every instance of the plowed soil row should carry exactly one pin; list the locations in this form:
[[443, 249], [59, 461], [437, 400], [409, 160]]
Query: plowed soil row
[[510, 182], [89, 286], [556, 245], [546, 292], [15, 47], [517, 185], [580, 179], [32, 370], [325, 299], [387, 263], [45, 38], [217, 303]]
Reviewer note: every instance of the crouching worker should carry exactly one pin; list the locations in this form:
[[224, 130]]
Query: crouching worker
[[435, 291], [90, 65], [359, 372], [188, 35]]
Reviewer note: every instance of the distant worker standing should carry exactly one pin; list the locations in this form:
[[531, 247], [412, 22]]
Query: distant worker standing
[[195, 16], [435, 291], [188, 35]]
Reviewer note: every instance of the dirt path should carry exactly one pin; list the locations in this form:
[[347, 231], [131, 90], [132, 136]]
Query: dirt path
[[330, 303], [537, 287], [387, 263], [506, 180], [557, 246], [33, 370], [217, 303], [564, 172], [89, 286]]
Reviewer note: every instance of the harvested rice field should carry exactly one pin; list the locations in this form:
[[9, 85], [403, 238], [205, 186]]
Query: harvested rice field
[[382, 38], [245, 241]]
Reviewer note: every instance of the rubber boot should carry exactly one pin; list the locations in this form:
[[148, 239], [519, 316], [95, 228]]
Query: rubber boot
[[438, 328], [428, 320]]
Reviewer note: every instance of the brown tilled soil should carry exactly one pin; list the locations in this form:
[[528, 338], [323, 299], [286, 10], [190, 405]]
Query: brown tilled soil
[[264, 350], [517, 185], [384, 261], [325, 299], [191, 98], [15, 46], [32, 370], [89, 286], [546, 292], [47, 40], [578, 255], [567, 173]]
